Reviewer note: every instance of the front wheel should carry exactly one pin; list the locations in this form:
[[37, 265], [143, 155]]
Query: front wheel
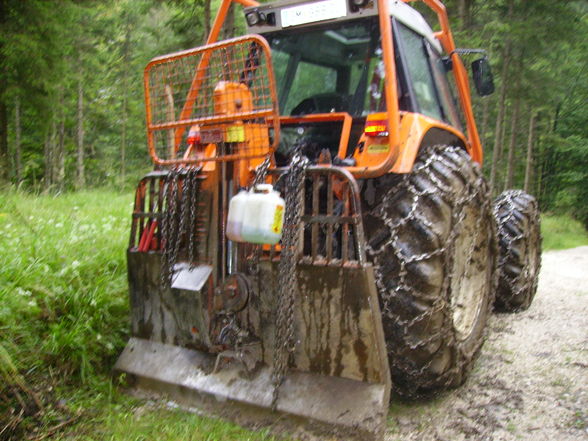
[[432, 241]]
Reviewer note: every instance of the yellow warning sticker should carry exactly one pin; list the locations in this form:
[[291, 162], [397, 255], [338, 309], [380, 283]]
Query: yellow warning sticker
[[235, 133], [278, 219], [378, 148]]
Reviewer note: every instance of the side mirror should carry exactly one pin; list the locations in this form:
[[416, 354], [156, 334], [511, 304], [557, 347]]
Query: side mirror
[[483, 78]]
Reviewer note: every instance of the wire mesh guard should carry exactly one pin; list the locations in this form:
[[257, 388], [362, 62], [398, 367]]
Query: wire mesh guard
[[216, 102]]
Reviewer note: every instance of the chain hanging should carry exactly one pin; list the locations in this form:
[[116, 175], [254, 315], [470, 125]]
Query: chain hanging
[[287, 281], [178, 220], [169, 226]]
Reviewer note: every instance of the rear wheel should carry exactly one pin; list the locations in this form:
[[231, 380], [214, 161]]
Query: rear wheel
[[432, 241], [519, 236]]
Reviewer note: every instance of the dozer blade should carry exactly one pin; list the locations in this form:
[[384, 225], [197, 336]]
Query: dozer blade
[[338, 384], [319, 403]]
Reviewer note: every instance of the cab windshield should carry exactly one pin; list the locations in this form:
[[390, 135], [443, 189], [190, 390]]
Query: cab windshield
[[330, 69], [339, 67]]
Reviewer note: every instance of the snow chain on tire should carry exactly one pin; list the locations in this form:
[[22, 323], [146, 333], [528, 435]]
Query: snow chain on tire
[[519, 237], [432, 241]]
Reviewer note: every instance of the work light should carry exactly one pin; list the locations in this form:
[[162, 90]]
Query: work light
[[355, 5]]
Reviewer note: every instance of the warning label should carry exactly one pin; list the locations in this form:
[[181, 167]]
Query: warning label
[[278, 219], [378, 148]]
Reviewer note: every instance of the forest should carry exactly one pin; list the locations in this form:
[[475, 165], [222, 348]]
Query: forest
[[73, 147], [71, 96]]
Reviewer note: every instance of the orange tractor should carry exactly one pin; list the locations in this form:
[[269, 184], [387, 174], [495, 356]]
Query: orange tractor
[[379, 267]]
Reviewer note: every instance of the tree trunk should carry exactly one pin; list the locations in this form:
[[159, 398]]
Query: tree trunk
[[80, 171], [60, 153], [512, 145], [464, 8], [125, 102], [4, 175], [503, 132], [17, 142], [206, 19], [500, 117], [556, 117], [229, 26], [48, 153], [529, 162], [485, 116]]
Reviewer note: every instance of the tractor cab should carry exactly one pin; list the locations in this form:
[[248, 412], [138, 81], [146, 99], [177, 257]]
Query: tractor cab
[[330, 66]]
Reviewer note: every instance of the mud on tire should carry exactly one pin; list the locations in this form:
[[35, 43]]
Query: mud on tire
[[519, 238], [431, 238]]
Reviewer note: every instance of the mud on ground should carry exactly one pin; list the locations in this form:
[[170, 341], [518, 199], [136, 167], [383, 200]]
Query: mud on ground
[[531, 380]]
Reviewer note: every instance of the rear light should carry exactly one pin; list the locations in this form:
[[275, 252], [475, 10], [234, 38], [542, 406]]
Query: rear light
[[376, 128], [194, 135]]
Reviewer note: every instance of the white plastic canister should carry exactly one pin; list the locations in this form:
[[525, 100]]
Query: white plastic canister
[[263, 216], [235, 216]]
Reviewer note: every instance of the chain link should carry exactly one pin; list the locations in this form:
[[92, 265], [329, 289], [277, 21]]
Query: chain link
[[192, 185], [287, 281], [169, 229], [253, 260], [178, 220], [510, 208]]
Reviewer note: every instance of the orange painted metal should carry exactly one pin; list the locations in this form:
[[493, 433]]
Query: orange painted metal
[[227, 106], [413, 128], [445, 36], [395, 152]]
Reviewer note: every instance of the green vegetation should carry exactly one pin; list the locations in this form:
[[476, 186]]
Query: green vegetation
[[71, 89], [72, 117], [561, 232], [64, 320]]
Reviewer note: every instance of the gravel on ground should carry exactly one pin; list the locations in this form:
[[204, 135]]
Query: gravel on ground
[[531, 380]]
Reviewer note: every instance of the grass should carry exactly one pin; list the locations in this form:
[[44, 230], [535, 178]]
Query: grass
[[562, 232], [64, 320]]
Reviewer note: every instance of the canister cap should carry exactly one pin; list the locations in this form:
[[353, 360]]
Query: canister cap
[[264, 188]]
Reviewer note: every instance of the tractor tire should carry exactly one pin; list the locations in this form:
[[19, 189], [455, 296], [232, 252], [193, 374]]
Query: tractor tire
[[519, 238], [432, 241]]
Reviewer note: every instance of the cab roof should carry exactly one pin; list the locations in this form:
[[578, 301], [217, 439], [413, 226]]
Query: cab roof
[[292, 14]]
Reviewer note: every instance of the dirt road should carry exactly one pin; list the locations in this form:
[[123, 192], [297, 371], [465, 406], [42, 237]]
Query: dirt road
[[531, 380]]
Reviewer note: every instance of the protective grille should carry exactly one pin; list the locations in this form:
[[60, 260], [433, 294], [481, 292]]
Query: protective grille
[[331, 218], [168, 203], [216, 102]]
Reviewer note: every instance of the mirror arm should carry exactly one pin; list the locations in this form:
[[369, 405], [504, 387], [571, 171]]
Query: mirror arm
[[466, 51]]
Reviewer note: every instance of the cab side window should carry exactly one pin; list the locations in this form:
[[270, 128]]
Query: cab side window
[[419, 73]]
